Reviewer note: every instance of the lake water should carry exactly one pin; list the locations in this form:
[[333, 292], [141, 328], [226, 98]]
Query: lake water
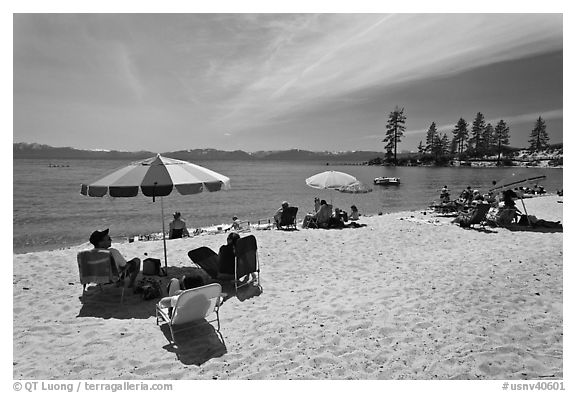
[[49, 211]]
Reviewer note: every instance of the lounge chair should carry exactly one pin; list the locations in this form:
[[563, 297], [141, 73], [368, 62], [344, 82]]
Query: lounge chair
[[476, 215], [192, 305], [288, 218], [98, 267], [246, 261], [207, 259]]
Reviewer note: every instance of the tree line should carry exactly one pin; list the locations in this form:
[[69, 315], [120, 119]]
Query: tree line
[[480, 140]]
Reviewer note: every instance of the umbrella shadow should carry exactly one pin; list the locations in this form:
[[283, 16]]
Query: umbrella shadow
[[541, 229], [195, 344]]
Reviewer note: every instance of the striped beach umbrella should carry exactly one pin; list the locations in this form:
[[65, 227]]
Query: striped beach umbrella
[[156, 177], [515, 180]]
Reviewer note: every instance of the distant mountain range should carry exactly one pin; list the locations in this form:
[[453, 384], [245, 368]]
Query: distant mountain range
[[35, 150]]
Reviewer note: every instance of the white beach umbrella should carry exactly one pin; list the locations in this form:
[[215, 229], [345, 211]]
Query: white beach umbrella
[[157, 177], [331, 180]]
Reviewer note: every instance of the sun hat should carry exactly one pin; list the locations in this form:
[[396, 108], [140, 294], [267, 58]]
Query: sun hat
[[97, 236], [284, 204]]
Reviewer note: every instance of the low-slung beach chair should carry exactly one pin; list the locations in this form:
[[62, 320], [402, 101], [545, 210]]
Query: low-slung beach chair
[[246, 261], [98, 267], [476, 216], [288, 218], [192, 305], [207, 259]]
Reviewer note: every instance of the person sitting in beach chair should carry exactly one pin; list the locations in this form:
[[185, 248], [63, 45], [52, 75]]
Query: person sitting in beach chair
[[338, 219], [176, 286], [227, 257], [288, 218], [101, 240], [177, 227], [236, 259], [477, 215], [278, 214], [322, 216]]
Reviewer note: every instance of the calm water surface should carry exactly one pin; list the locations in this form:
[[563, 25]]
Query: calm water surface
[[50, 212]]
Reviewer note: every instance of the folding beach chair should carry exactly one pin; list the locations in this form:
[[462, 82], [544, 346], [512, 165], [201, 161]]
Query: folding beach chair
[[246, 261], [192, 305], [207, 259], [98, 267], [176, 233], [476, 216], [288, 218]]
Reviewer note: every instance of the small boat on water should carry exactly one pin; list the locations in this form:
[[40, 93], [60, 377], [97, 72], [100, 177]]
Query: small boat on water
[[385, 181]]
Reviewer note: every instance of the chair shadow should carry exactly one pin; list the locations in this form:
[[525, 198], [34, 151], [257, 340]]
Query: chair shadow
[[195, 344], [106, 304]]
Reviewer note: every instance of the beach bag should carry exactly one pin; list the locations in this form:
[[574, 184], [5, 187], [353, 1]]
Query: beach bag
[[151, 267], [148, 288]]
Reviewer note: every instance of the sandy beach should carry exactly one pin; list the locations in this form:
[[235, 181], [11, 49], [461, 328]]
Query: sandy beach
[[409, 296]]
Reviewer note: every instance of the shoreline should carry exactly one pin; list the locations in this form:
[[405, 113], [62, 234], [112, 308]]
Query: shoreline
[[212, 229]]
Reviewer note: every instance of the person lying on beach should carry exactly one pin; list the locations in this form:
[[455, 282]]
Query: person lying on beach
[[178, 227], [101, 240]]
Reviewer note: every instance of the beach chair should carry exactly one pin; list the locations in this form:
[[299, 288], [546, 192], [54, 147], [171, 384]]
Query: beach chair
[[192, 305], [288, 218], [176, 233], [246, 261], [98, 267], [207, 259], [476, 216]]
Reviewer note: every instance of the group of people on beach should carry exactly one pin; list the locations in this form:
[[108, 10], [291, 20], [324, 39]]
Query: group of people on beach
[[502, 209], [326, 216]]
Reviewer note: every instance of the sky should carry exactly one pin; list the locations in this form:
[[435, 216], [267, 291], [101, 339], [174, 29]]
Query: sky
[[165, 82]]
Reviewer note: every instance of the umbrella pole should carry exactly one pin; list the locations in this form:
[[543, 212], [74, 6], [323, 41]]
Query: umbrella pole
[[163, 233], [524, 206]]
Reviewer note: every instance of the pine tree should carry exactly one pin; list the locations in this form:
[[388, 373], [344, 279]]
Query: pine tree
[[421, 148], [445, 144], [539, 137], [394, 131], [488, 139], [501, 137], [477, 132], [460, 138], [430, 137]]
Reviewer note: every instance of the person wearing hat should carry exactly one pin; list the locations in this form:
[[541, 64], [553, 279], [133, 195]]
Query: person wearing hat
[[177, 227], [101, 240]]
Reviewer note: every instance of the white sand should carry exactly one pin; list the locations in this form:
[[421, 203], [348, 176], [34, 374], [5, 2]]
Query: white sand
[[410, 296]]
